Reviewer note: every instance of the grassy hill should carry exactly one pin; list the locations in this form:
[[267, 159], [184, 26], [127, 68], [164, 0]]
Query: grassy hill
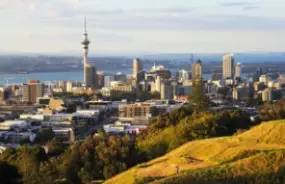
[[256, 156]]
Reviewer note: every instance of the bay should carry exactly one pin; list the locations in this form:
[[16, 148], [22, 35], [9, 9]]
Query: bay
[[62, 76]]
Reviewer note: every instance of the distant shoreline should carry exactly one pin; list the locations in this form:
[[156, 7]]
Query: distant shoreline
[[26, 73]]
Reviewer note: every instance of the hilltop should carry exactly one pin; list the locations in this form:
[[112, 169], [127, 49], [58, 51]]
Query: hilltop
[[255, 156]]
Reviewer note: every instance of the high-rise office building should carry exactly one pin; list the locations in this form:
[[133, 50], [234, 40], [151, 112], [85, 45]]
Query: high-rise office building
[[228, 66], [69, 86], [158, 84], [137, 67], [90, 74], [32, 91], [108, 80], [267, 95], [166, 91], [197, 70], [264, 79], [238, 70], [159, 70], [217, 76], [100, 76], [4, 94], [184, 75]]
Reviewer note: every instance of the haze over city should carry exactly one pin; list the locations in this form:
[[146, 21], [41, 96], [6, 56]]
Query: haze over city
[[143, 26]]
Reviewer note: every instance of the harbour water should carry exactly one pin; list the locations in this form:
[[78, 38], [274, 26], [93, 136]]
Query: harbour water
[[58, 76], [49, 76]]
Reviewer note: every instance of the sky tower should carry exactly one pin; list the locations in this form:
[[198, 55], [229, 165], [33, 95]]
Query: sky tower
[[85, 44], [90, 74]]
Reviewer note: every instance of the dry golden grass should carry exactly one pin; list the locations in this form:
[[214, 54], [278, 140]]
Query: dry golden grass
[[241, 152]]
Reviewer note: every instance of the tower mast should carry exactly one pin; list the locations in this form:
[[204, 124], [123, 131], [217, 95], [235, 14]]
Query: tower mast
[[85, 44]]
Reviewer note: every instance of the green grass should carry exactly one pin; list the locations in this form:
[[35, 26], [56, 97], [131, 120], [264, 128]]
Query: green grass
[[255, 156]]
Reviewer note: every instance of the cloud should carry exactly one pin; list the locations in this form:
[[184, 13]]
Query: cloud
[[242, 4], [252, 7], [230, 4], [205, 22], [73, 37]]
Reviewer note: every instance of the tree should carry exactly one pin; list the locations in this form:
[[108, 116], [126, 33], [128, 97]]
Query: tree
[[55, 147], [198, 97], [9, 174], [44, 135]]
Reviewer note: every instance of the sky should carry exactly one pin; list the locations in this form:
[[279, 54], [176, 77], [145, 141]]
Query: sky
[[143, 26]]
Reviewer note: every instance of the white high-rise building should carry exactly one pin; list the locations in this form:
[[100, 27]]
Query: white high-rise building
[[228, 66], [69, 86], [184, 75], [264, 78], [238, 70], [267, 95], [158, 84]]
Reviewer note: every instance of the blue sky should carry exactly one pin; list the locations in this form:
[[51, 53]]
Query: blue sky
[[147, 26]]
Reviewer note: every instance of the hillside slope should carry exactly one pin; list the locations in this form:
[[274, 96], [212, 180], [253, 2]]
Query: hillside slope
[[253, 155]]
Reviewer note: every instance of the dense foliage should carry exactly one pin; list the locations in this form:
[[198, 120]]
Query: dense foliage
[[99, 158], [273, 110], [44, 135], [198, 97], [96, 158]]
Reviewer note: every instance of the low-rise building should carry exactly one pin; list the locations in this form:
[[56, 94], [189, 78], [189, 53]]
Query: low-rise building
[[13, 124], [39, 117], [17, 137], [106, 91], [66, 135], [56, 123], [124, 128], [137, 110], [121, 87], [59, 117]]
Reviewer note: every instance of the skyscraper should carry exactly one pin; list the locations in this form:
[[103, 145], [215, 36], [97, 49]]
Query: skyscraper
[[197, 70], [32, 91], [90, 74], [166, 91], [100, 76], [184, 75], [228, 66], [238, 70], [137, 67]]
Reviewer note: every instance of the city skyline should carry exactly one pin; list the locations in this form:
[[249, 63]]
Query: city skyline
[[141, 26]]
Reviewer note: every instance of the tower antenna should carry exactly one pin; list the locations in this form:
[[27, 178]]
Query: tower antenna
[[85, 25]]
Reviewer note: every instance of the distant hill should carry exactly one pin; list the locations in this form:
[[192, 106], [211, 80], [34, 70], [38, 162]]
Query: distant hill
[[179, 57], [256, 156], [240, 57]]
